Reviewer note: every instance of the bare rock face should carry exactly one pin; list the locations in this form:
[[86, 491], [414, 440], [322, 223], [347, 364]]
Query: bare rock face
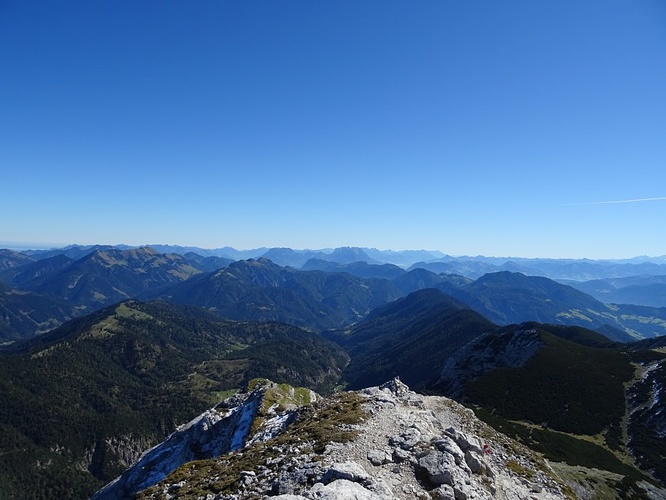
[[380, 443], [415, 446], [440, 468], [244, 418], [485, 354]]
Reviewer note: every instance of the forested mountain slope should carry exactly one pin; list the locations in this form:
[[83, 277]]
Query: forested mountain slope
[[79, 404]]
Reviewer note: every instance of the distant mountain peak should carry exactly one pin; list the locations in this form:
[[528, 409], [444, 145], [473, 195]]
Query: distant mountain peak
[[258, 263], [347, 255]]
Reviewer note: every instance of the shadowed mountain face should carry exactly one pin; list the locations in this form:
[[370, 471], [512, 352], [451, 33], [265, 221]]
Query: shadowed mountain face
[[640, 290], [569, 380], [528, 372], [10, 259], [410, 338], [418, 336], [360, 269], [23, 314], [261, 290], [104, 277], [37, 272], [90, 396], [647, 411], [507, 298]]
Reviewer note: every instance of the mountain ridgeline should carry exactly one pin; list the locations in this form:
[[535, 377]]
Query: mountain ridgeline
[[108, 350], [262, 290], [409, 338], [330, 291]]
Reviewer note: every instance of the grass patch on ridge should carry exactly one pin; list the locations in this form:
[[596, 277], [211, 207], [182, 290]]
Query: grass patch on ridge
[[318, 424]]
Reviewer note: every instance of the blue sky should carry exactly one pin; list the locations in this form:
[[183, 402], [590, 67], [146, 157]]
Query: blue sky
[[469, 127]]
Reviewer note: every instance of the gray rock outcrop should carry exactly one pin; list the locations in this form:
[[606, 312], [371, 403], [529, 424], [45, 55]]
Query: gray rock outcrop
[[219, 430], [407, 446], [485, 354]]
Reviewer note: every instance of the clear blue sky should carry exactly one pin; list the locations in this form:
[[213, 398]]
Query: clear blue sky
[[471, 127]]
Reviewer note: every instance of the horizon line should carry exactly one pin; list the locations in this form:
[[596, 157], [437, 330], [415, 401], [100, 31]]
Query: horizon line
[[27, 246]]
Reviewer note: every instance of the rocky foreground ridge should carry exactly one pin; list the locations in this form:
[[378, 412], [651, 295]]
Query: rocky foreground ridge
[[383, 442]]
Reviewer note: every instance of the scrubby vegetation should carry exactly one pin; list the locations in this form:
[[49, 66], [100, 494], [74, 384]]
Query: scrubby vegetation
[[318, 424], [565, 386], [572, 402], [561, 447], [78, 403]]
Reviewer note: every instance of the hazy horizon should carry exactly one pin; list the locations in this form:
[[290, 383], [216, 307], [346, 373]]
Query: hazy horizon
[[18, 246]]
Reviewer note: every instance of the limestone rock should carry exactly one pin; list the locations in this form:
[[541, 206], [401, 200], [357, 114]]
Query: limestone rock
[[378, 457], [464, 441], [407, 446], [342, 489], [396, 387], [408, 439], [349, 471], [439, 468], [446, 444], [473, 461], [443, 492]]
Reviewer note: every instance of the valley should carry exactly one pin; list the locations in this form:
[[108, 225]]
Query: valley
[[107, 351]]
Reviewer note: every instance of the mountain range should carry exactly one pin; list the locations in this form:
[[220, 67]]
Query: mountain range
[[470, 266], [108, 350], [646, 290], [115, 382], [262, 290], [323, 294]]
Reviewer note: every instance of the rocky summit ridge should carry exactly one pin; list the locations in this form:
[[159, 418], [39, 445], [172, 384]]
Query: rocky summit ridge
[[384, 442]]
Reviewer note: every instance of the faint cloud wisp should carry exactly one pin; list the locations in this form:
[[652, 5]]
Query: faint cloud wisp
[[615, 202]]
